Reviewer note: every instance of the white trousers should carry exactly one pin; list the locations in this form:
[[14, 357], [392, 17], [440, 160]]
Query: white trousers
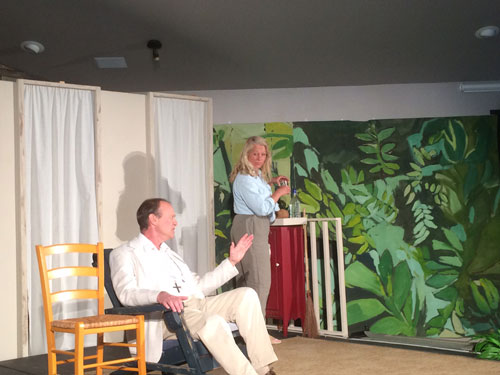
[[207, 320]]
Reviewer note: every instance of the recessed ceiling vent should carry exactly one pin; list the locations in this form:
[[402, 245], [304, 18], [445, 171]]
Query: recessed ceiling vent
[[487, 32], [110, 62], [32, 46]]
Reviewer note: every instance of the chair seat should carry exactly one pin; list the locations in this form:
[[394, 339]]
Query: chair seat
[[96, 321]]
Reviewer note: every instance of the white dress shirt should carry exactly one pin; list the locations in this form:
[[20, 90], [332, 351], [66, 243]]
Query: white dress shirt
[[140, 271]]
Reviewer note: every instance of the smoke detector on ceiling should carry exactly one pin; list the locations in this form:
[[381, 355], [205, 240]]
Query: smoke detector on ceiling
[[32, 46]]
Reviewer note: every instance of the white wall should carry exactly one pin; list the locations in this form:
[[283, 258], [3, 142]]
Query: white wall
[[8, 265], [347, 103]]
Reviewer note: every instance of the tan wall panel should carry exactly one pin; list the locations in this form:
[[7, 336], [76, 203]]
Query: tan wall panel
[[125, 180]]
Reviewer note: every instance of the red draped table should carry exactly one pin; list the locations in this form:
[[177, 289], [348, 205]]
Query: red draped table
[[286, 299]]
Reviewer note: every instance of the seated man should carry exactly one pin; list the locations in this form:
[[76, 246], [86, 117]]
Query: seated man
[[145, 270]]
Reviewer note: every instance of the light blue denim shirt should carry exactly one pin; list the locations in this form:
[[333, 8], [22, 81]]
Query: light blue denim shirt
[[252, 196]]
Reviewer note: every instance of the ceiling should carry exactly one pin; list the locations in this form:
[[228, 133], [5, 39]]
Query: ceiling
[[247, 44]]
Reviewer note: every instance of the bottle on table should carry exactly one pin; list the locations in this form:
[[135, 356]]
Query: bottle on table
[[295, 205]]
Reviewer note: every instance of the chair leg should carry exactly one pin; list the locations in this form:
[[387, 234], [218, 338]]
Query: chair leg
[[140, 342], [51, 356], [79, 353], [100, 352]]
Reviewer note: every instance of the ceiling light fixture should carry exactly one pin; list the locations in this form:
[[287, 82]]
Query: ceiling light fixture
[[483, 86], [32, 46], [155, 45], [487, 32]]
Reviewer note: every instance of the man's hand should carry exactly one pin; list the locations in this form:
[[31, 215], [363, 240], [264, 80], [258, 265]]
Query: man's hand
[[236, 253], [171, 302]]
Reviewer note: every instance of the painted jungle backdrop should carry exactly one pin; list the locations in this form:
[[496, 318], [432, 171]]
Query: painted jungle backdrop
[[419, 201]]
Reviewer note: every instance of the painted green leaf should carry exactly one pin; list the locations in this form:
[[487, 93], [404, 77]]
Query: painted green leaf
[[369, 161], [300, 171], [385, 267], [434, 266], [388, 326], [411, 197], [481, 302], [418, 227], [368, 149], [440, 280], [452, 261], [387, 170], [407, 190], [223, 212], [352, 175], [313, 189], [283, 154], [491, 293], [309, 201], [220, 233], [392, 166], [364, 136], [389, 157], [335, 210], [408, 309], [281, 143], [402, 280], [437, 322], [457, 324], [453, 238], [429, 223], [456, 141], [329, 182], [299, 136], [415, 167], [360, 276], [312, 161], [350, 208], [363, 309], [447, 294], [418, 156], [353, 221], [439, 245], [279, 129], [385, 133], [388, 147], [357, 240]]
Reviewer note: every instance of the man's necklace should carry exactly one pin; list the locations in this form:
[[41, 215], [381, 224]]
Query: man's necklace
[[180, 272]]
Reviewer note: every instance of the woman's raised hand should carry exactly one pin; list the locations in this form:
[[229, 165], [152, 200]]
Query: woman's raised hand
[[280, 180]]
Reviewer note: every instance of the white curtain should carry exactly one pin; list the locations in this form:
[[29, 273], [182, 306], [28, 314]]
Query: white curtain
[[60, 194], [181, 175]]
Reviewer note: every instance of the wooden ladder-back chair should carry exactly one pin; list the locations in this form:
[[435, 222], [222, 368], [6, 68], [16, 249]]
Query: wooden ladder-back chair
[[97, 324]]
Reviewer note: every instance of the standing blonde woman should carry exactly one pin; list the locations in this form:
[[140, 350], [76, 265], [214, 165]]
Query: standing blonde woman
[[255, 206]]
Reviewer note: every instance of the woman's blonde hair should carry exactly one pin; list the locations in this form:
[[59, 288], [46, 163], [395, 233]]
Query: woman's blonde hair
[[244, 166]]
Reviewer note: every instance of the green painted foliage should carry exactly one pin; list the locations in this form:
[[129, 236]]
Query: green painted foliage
[[419, 204]]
